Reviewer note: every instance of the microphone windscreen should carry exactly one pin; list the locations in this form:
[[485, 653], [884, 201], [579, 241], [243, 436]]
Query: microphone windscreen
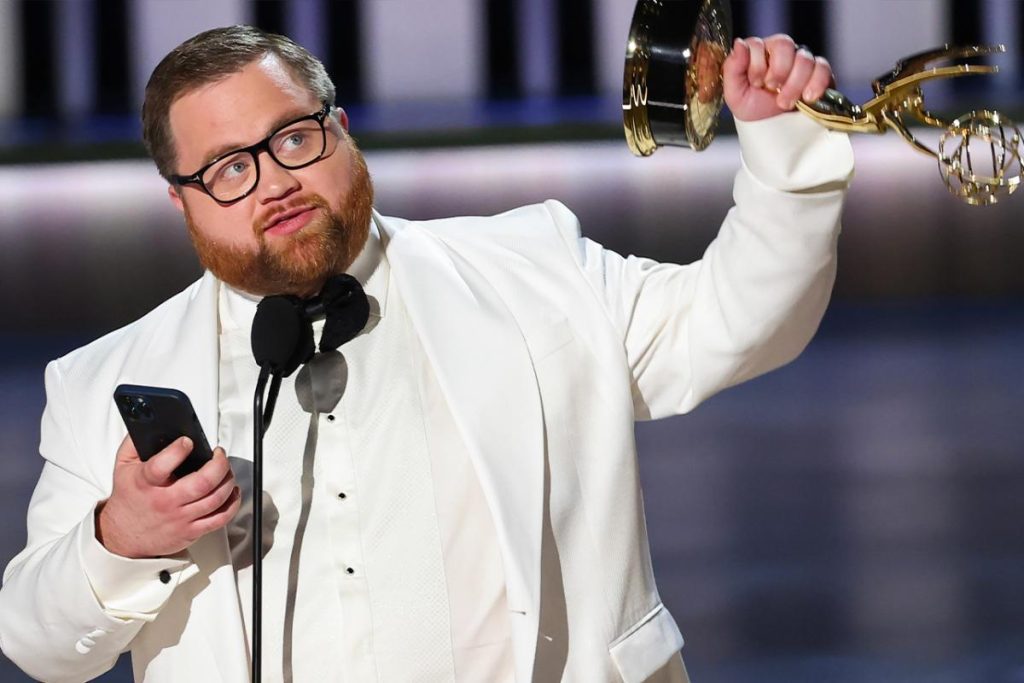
[[282, 337]]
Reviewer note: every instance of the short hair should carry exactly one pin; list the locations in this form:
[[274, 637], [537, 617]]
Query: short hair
[[209, 57]]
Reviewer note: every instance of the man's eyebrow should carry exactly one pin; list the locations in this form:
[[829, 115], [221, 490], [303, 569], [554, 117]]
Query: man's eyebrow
[[277, 123]]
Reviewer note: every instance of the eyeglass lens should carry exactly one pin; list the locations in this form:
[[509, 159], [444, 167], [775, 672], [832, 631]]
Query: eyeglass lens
[[294, 146]]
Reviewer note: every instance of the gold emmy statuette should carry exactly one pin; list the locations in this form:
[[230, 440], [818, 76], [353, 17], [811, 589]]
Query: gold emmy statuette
[[672, 95]]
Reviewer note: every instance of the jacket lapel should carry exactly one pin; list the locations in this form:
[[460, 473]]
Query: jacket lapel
[[184, 353], [484, 370]]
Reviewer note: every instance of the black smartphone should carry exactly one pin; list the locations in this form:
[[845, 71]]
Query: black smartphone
[[155, 417]]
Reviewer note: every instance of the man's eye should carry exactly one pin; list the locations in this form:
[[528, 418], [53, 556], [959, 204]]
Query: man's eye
[[232, 170], [236, 168], [294, 139]]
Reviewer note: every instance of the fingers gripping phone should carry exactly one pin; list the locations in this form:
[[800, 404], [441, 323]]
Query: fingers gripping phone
[[155, 417]]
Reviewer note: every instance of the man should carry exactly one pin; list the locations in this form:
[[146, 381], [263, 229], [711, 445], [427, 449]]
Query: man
[[454, 495]]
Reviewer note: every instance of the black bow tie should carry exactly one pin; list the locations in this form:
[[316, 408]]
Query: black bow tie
[[282, 331], [345, 308]]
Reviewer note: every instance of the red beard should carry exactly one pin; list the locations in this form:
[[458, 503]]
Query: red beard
[[303, 261]]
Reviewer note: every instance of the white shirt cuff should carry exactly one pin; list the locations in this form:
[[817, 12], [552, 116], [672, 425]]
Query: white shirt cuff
[[793, 153], [128, 588]]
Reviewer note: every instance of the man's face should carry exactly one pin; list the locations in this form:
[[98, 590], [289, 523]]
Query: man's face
[[297, 227]]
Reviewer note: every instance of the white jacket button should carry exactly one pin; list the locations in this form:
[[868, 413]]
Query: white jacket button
[[84, 645]]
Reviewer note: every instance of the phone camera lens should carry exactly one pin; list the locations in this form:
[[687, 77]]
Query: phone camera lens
[[137, 408], [128, 407], [142, 411]]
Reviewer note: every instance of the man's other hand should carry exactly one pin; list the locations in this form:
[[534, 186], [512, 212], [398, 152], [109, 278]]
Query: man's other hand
[[766, 77], [152, 514]]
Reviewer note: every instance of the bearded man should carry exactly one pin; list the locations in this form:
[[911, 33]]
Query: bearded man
[[454, 496]]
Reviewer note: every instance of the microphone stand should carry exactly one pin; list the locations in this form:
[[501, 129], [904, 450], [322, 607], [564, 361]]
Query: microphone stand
[[282, 338], [261, 420]]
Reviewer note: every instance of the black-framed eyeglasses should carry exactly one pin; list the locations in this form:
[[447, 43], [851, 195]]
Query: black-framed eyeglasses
[[234, 175]]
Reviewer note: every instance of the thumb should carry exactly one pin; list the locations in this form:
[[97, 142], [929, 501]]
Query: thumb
[[159, 470]]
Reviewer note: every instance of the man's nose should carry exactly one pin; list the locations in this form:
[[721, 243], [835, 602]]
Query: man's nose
[[276, 181]]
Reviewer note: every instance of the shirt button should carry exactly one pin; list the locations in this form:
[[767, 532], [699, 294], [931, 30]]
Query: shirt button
[[330, 418], [350, 570], [165, 576], [342, 496]]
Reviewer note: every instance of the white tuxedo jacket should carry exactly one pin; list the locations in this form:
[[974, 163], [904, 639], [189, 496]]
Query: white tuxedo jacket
[[547, 348]]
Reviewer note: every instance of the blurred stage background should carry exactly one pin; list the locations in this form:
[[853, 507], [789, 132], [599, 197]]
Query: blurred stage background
[[855, 516]]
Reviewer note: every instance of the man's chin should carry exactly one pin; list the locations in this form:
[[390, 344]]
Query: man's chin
[[297, 269]]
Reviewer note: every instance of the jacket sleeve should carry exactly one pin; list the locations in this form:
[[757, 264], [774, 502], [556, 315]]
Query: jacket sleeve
[[53, 623], [755, 298]]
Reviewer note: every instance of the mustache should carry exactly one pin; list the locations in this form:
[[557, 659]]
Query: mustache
[[314, 201]]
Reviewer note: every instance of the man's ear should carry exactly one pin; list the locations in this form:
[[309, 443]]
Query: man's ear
[[342, 117], [172, 192]]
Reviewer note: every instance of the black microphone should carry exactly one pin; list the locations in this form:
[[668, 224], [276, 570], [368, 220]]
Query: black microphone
[[282, 339], [282, 334]]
